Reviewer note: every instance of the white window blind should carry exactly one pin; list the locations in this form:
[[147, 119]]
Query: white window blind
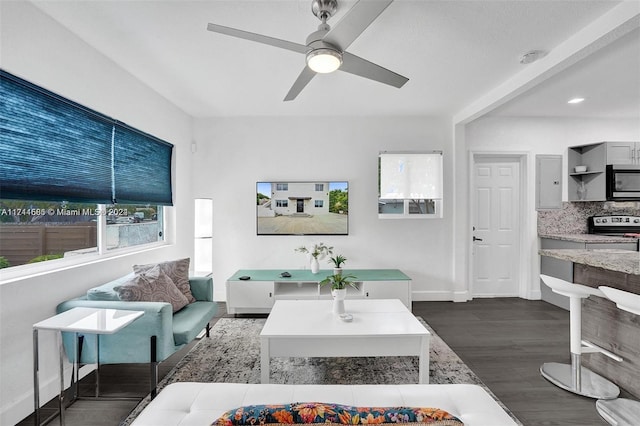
[[416, 176]]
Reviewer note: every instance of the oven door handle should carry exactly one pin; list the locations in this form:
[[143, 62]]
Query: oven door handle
[[633, 194]]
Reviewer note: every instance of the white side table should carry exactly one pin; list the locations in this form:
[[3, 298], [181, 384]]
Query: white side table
[[77, 320]]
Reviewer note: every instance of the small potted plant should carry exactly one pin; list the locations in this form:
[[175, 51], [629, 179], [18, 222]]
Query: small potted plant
[[339, 285], [337, 261], [318, 252]]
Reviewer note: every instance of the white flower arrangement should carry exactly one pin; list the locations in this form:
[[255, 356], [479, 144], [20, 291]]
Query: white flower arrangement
[[319, 251]]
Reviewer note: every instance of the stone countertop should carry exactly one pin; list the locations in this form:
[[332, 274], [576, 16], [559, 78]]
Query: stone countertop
[[626, 261], [588, 238]]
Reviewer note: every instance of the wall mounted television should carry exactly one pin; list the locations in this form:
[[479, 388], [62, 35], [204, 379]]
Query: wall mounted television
[[302, 208]]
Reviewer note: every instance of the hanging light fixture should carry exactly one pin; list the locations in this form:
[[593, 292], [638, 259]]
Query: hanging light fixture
[[324, 60]]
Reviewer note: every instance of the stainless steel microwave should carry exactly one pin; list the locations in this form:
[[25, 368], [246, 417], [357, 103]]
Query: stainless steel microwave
[[623, 182]]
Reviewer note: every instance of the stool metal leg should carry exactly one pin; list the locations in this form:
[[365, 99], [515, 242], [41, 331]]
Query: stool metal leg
[[36, 379], [61, 399], [587, 384], [576, 371], [619, 412], [573, 377]]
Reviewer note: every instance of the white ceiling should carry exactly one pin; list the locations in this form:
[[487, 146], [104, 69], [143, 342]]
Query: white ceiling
[[608, 80], [453, 52]]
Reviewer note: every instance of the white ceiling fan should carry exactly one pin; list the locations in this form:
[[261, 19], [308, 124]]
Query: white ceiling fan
[[325, 49]]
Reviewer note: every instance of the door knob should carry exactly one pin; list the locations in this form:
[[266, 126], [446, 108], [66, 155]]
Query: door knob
[[476, 239]]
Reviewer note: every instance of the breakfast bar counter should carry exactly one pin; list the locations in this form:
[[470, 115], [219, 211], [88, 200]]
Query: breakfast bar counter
[[610, 259], [587, 238], [603, 323]]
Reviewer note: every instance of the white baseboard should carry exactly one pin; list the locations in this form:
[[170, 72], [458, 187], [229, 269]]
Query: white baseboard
[[22, 406], [15, 411], [440, 296], [463, 296], [534, 295]]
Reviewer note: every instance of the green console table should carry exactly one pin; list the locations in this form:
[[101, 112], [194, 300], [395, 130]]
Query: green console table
[[257, 294]]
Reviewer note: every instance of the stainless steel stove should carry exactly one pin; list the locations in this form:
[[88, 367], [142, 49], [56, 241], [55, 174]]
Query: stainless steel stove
[[618, 225]]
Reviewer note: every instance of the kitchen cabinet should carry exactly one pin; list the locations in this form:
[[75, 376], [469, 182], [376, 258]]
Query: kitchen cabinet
[[548, 182], [556, 268], [589, 185], [623, 153]]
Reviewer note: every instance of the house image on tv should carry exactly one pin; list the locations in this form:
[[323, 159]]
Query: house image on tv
[[297, 199]]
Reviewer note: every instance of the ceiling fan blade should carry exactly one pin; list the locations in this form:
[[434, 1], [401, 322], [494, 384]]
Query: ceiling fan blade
[[357, 19], [303, 79], [283, 44], [356, 65]]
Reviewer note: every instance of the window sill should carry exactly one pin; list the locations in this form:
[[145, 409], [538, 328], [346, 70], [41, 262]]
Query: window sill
[[409, 216], [17, 273]]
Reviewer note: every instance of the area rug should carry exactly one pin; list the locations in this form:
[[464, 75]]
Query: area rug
[[232, 355]]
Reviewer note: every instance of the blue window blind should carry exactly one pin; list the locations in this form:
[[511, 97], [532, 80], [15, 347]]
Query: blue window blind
[[142, 167], [54, 149]]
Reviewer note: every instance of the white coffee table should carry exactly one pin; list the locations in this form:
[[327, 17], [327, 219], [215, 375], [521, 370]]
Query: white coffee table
[[308, 328]]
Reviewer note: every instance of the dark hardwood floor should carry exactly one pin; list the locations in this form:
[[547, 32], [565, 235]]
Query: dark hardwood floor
[[503, 340]]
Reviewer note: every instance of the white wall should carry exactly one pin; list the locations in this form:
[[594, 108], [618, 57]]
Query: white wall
[[533, 136], [233, 154], [37, 49], [546, 136]]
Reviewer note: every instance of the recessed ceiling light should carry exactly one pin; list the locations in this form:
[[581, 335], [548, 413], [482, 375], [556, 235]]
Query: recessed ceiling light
[[575, 100]]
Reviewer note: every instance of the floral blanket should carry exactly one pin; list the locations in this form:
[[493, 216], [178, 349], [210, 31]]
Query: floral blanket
[[300, 413]]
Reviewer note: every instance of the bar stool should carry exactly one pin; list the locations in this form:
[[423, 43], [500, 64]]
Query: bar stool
[[573, 377], [622, 411]]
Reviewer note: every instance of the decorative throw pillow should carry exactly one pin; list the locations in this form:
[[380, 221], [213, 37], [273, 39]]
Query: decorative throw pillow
[[177, 270], [301, 413], [152, 286]]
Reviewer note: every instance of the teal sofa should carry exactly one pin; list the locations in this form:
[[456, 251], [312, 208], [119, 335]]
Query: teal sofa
[[151, 338]]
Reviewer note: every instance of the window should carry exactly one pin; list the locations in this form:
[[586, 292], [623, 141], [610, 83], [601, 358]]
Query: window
[[282, 203], [132, 225], [410, 185], [36, 231], [282, 186], [67, 170], [319, 203], [319, 187], [407, 207], [203, 236]]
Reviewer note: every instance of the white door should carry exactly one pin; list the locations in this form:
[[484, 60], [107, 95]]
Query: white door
[[496, 234]]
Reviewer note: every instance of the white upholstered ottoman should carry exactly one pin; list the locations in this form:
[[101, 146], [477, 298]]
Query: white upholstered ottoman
[[199, 404]]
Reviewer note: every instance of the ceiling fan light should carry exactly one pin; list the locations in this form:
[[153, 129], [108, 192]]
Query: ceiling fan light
[[324, 60]]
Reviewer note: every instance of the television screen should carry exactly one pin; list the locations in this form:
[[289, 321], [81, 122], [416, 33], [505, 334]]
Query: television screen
[[302, 208]]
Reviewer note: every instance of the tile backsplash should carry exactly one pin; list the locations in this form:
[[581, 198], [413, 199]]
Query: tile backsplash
[[572, 217]]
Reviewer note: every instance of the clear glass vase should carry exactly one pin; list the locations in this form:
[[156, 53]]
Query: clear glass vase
[[582, 191]]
